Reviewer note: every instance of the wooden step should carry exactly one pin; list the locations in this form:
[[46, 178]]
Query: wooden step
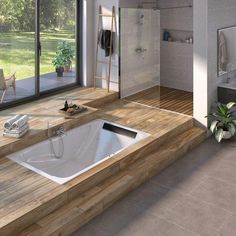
[[22, 216], [78, 212]]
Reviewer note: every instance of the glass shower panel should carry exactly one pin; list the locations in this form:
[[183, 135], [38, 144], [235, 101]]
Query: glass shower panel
[[140, 55]]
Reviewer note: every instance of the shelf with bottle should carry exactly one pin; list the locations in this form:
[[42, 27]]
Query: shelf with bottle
[[177, 43], [178, 36]]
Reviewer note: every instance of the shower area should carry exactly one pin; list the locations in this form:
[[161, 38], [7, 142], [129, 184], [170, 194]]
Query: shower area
[[156, 54]]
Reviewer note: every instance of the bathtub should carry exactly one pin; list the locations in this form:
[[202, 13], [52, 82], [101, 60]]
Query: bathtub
[[84, 148]]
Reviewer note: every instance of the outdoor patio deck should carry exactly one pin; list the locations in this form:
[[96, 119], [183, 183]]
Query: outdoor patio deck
[[26, 87]]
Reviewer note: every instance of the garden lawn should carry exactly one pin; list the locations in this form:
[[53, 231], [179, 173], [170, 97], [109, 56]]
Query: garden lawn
[[17, 52]]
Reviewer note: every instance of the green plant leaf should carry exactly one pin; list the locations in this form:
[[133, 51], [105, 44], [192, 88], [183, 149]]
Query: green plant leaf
[[213, 125], [230, 105], [222, 109], [219, 135], [233, 121], [222, 118], [231, 128]]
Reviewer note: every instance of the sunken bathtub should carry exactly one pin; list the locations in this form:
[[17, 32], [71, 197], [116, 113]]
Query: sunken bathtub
[[65, 157]]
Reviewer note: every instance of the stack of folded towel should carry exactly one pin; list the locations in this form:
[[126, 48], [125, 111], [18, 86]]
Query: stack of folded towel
[[17, 126]]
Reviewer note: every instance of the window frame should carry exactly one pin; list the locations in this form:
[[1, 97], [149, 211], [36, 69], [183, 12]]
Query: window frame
[[79, 61]]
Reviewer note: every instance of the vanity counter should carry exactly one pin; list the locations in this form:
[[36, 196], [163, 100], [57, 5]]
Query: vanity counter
[[227, 92], [230, 85]]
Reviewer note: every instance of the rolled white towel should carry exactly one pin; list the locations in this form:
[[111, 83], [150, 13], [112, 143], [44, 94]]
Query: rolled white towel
[[9, 123], [17, 131], [20, 122], [19, 135]]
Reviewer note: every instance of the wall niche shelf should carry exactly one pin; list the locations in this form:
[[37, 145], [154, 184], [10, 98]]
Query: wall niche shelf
[[178, 36], [177, 43]]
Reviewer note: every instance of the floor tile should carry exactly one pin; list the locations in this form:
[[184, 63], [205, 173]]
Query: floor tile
[[119, 216], [218, 193], [228, 150], [147, 225], [225, 171], [194, 197], [154, 198], [229, 227], [89, 230], [204, 157], [177, 231], [180, 177], [195, 216], [192, 169], [178, 208]]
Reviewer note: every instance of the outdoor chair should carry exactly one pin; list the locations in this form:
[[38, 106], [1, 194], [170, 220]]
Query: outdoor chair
[[6, 83]]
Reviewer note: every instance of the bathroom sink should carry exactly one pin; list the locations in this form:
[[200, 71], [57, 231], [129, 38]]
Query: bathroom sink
[[227, 92], [230, 85]]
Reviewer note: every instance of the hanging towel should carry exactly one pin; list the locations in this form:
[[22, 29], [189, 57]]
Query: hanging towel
[[9, 123], [223, 58], [20, 122], [104, 39]]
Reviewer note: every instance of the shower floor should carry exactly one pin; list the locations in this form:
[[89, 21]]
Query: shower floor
[[165, 98]]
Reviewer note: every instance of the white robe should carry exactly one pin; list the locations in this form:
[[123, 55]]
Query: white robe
[[223, 58]]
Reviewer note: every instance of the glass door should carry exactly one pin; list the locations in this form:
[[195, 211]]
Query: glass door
[[17, 50], [38, 48], [57, 44], [140, 55]]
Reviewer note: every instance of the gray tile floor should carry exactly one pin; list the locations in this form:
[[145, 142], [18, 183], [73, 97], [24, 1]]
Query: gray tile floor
[[195, 196]]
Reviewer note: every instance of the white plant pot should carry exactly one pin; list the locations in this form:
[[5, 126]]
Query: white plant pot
[[227, 135]]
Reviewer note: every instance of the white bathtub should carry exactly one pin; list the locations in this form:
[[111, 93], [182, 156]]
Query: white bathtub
[[84, 148]]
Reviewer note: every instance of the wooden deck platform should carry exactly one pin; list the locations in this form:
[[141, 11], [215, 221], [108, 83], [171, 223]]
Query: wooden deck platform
[[166, 98], [27, 198]]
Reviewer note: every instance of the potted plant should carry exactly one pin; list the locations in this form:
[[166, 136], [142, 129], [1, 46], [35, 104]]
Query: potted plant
[[65, 49], [223, 121], [59, 62]]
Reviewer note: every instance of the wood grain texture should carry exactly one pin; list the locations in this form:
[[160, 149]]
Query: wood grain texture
[[26, 198], [46, 110], [166, 98], [75, 214]]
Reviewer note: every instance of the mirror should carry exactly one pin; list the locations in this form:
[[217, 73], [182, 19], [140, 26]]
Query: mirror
[[226, 50]]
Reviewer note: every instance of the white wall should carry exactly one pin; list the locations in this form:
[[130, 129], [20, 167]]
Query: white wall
[[106, 24], [200, 55], [88, 42], [209, 16], [139, 70], [176, 63], [107, 5], [135, 3], [176, 57], [89, 47], [220, 14]]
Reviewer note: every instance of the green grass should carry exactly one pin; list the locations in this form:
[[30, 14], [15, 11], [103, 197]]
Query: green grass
[[19, 55]]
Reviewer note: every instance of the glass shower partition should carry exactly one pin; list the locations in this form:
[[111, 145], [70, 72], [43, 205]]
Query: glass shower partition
[[140, 55]]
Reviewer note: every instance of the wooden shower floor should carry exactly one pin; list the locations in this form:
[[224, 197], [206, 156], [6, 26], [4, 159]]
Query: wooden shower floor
[[165, 98]]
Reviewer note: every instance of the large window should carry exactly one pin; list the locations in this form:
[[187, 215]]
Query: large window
[[38, 47]]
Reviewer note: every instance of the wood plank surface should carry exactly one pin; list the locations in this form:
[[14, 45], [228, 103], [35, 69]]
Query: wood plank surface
[[165, 98], [75, 214], [45, 110], [26, 197]]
